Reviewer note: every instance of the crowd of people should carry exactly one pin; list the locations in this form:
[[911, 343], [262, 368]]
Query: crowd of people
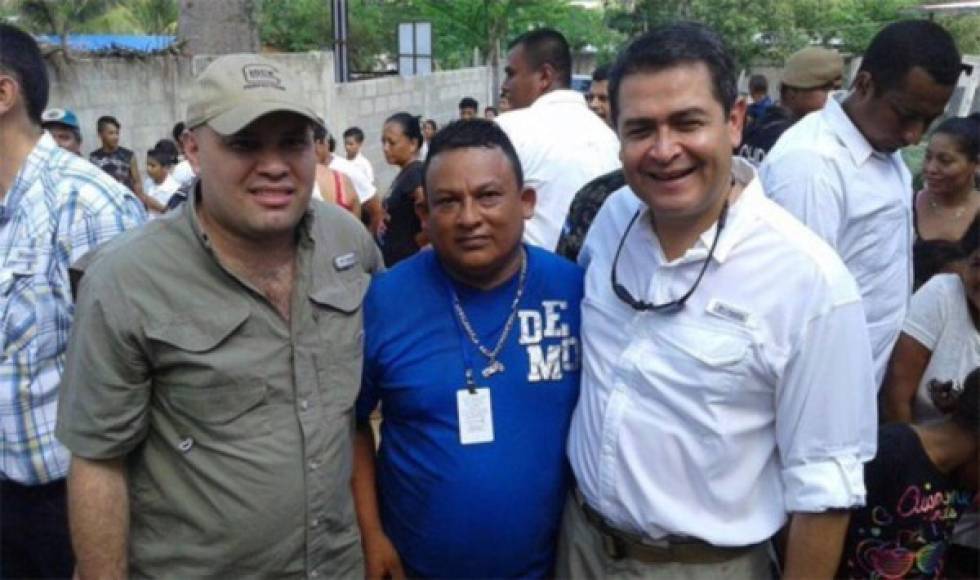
[[659, 330]]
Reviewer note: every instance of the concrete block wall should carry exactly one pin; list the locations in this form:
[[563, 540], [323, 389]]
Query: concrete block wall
[[149, 95]]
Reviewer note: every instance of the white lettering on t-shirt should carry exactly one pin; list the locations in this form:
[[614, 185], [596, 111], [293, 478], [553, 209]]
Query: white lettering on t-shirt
[[548, 362]]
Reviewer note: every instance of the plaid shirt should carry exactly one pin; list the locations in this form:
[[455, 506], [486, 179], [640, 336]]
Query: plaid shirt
[[60, 207]]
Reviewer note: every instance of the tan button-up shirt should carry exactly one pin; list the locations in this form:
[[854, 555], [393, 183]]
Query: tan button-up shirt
[[235, 423]]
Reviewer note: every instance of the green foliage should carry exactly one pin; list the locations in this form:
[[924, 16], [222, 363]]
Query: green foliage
[[965, 29], [772, 29], [295, 25]]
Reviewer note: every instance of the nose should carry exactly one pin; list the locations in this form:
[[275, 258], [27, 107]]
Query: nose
[[272, 164], [912, 132], [664, 147], [469, 214]]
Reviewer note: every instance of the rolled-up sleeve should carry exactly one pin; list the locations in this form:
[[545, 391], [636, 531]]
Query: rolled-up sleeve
[[105, 392], [826, 416]]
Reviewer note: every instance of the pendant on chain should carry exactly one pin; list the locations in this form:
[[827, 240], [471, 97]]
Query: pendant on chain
[[493, 368]]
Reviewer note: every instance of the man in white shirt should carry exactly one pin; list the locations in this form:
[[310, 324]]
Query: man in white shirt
[[727, 378], [362, 185], [561, 143], [839, 171]]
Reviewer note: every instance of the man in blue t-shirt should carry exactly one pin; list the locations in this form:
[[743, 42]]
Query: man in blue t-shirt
[[477, 379]]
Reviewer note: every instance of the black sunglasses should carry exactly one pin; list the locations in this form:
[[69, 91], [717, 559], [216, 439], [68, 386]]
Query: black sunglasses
[[674, 305]]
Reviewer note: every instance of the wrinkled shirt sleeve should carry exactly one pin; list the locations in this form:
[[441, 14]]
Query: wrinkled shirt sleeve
[[827, 412]]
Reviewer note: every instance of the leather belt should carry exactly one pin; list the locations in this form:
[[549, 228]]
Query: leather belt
[[618, 544]]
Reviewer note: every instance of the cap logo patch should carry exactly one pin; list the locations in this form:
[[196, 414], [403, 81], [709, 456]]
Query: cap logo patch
[[261, 75]]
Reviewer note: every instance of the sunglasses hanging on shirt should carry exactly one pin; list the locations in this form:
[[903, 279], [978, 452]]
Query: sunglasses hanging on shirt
[[674, 305]]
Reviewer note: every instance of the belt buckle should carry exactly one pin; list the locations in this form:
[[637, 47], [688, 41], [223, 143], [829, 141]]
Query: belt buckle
[[613, 546]]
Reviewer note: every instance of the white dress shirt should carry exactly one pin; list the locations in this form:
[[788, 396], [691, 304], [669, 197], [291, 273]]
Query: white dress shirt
[[859, 201], [362, 162], [756, 399], [562, 146], [365, 189]]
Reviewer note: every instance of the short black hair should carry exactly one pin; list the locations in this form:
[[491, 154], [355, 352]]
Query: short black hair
[[178, 130], [105, 121], [966, 413], [965, 132], [409, 124], [469, 134], [601, 73], [167, 150], [758, 84], [675, 44], [431, 123], [319, 133], [494, 109], [356, 133], [20, 57], [904, 45], [547, 46], [469, 103]]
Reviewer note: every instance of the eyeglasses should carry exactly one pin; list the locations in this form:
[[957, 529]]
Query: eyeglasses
[[674, 305]]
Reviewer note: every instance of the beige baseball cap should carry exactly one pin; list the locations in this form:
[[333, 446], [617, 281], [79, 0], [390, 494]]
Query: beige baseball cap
[[813, 67], [236, 89]]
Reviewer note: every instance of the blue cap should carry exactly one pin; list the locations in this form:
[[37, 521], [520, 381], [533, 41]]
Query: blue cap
[[60, 116]]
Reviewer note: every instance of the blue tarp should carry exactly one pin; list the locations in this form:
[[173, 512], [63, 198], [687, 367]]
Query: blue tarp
[[111, 42]]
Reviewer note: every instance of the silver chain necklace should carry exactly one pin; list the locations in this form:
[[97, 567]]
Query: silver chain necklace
[[494, 366]]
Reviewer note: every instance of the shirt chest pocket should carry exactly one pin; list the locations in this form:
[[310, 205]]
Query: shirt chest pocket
[[31, 305], [339, 356], [205, 375], [706, 363]]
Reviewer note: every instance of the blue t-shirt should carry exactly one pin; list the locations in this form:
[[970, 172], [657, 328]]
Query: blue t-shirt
[[487, 509]]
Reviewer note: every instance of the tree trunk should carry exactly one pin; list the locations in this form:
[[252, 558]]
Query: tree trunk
[[219, 26]]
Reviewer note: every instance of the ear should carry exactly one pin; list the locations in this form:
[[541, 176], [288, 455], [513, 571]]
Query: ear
[[863, 84], [736, 121], [546, 78], [9, 91], [528, 199], [192, 150]]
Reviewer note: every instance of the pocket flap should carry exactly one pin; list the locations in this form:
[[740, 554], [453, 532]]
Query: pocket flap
[[199, 332], [345, 295], [217, 404]]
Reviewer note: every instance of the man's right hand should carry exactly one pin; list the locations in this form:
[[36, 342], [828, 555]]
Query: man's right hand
[[381, 559]]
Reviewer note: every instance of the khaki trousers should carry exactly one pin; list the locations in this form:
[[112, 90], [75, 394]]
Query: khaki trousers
[[581, 555]]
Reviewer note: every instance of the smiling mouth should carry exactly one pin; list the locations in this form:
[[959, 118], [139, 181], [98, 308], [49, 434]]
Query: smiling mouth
[[671, 175]]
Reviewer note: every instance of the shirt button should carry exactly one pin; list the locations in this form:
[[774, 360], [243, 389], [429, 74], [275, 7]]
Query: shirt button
[[315, 573], [314, 465], [303, 404], [316, 522]]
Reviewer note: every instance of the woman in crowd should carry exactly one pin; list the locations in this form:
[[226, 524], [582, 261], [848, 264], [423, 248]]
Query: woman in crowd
[[950, 199], [938, 346], [429, 129], [402, 235]]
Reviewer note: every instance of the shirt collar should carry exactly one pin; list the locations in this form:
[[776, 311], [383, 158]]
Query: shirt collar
[[735, 223], [28, 173], [846, 131], [739, 211], [559, 96]]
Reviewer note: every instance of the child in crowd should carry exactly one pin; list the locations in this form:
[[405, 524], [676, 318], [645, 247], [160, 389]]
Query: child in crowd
[[353, 141], [160, 185], [922, 480]]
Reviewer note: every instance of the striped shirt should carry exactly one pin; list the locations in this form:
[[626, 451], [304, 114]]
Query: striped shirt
[[59, 207]]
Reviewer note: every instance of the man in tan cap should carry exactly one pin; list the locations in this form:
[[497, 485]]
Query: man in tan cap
[[208, 393], [809, 76]]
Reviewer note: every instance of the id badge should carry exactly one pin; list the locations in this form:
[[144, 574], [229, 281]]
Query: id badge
[[475, 416]]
